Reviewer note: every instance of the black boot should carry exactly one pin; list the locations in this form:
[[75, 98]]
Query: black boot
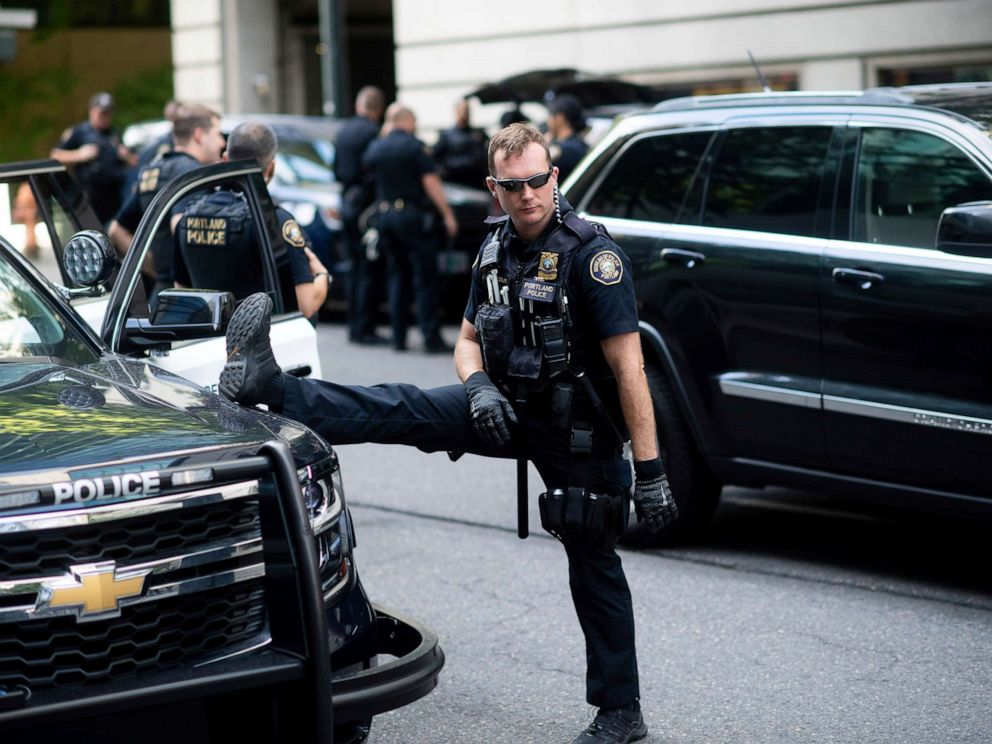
[[251, 374], [615, 726]]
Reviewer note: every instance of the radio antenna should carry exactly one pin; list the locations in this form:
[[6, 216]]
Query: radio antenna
[[765, 87]]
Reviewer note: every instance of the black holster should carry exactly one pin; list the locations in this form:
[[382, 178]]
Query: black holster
[[574, 515]]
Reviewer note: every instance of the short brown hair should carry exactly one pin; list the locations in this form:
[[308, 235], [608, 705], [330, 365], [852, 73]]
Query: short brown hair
[[188, 118], [512, 141]]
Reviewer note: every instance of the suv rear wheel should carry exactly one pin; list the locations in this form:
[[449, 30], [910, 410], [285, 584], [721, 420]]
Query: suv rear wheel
[[696, 491]]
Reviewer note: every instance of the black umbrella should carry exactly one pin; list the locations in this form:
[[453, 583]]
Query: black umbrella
[[544, 85]]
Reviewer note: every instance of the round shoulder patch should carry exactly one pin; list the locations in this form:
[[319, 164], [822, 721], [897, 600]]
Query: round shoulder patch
[[606, 268], [293, 234]]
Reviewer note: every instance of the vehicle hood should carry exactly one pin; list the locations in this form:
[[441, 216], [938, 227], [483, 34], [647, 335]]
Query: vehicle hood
[[59, 422]]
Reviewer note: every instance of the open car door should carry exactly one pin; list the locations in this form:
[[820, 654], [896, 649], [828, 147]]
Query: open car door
[[41, 207], [294, 339]]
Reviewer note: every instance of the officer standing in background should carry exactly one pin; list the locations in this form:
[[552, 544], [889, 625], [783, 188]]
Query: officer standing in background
[[163, 143], [94, 147], [219, 247], [357, 194], [552, 371], [565, 123], [460, 151], [405, 178], [197, 141]]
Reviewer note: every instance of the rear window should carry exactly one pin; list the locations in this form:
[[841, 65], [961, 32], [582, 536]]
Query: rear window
[[767, 179], [650, 178]]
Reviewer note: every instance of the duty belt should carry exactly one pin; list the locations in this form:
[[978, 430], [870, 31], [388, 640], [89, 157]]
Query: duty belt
[[397, 205]]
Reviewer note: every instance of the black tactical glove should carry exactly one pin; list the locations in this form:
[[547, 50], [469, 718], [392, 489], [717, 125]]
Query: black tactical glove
[[653, 500], [491, 411]]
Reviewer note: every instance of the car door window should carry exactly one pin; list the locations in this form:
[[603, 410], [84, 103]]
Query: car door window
[[650, 178], [767, 179], [905, 179]]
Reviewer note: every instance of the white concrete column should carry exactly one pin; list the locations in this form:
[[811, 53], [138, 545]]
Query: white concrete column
[[197, 52]]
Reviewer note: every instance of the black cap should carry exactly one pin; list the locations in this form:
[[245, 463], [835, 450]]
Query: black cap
[[570, 107]]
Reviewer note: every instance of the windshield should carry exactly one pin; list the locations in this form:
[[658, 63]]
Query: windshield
[[300, 163], [30, 324]]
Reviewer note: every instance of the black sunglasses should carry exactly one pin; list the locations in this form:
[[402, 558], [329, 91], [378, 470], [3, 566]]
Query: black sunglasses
[[517, 184]]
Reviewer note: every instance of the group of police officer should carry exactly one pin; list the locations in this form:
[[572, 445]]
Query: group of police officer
[[551, 371], [211, 240]]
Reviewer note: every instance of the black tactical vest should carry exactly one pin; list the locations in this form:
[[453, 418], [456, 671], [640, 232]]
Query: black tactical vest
[[152, 179], [525, 326], [218, 245]]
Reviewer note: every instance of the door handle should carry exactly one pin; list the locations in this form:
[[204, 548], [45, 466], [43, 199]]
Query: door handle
[[688, 259], [864, 279]]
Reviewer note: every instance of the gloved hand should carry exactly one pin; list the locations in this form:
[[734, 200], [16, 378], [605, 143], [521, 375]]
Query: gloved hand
[[653, 500], [491, 412]]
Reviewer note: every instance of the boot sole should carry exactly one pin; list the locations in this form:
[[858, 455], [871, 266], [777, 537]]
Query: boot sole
[[249, 322]]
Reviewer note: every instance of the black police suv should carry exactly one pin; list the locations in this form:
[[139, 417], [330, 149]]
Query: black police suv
[[814, 279], [170, 563]]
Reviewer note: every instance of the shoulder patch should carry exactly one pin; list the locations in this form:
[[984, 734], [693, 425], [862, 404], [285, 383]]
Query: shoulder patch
[[293, 234], [148, 180], [606, 268]]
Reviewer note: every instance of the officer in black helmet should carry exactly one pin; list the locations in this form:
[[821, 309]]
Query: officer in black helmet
[[197, 141], [218, 246], [552, 371]]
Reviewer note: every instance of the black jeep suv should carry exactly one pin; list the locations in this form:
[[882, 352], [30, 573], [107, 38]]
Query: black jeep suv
[[814, 278]]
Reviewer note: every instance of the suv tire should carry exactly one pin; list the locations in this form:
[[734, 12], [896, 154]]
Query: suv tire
[[696, 491]]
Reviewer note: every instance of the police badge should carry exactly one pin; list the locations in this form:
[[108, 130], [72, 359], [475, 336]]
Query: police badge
[[292, 234], [547, 268], [606, 268]]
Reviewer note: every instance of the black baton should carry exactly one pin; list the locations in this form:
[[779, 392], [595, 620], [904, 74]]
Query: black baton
[[522, 515]]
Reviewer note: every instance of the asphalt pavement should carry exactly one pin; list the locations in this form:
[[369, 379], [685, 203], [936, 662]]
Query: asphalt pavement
[[797, 618]]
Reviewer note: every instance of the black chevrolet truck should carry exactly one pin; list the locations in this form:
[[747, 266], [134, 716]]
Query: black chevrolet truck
[[172, 565]]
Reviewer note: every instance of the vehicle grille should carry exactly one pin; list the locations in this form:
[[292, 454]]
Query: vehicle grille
[[60, 651], [202, 596], [139, 539]]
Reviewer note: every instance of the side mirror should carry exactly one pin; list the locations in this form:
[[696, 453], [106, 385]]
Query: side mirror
[[966, 229], [89, 259], [182, 314]]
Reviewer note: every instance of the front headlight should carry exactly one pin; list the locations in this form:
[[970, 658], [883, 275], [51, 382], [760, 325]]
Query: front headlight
[[323, 495]]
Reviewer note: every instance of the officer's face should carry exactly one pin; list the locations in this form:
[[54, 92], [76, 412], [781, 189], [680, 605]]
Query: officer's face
[[213, 143], [530, 209]]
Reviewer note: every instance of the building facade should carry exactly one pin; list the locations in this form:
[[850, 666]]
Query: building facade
[[257, 55]]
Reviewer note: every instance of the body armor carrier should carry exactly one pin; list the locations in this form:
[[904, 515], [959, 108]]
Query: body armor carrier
[[151, 179]]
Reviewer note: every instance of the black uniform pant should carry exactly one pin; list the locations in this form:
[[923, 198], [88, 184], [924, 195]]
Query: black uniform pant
[[410, 254], [361, 307], [438, 420]]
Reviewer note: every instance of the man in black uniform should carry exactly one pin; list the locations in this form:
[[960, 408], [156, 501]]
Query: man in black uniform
[[357, 194], [218, 246], [550, 360], [565, 123], [460, 151], [94, 147], [198, 141], [405, 178]]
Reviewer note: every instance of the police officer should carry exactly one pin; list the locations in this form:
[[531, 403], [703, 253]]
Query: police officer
[[357, 193], [94, 147], [218, 246], [550, 361], [405, 179], [460, 151], [197, 141], [565, 124]]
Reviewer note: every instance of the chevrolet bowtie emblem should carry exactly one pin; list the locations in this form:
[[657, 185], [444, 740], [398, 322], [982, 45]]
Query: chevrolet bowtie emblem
[[91, 591]]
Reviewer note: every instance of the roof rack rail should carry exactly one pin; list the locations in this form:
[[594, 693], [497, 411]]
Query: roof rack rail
[[873, 95]]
